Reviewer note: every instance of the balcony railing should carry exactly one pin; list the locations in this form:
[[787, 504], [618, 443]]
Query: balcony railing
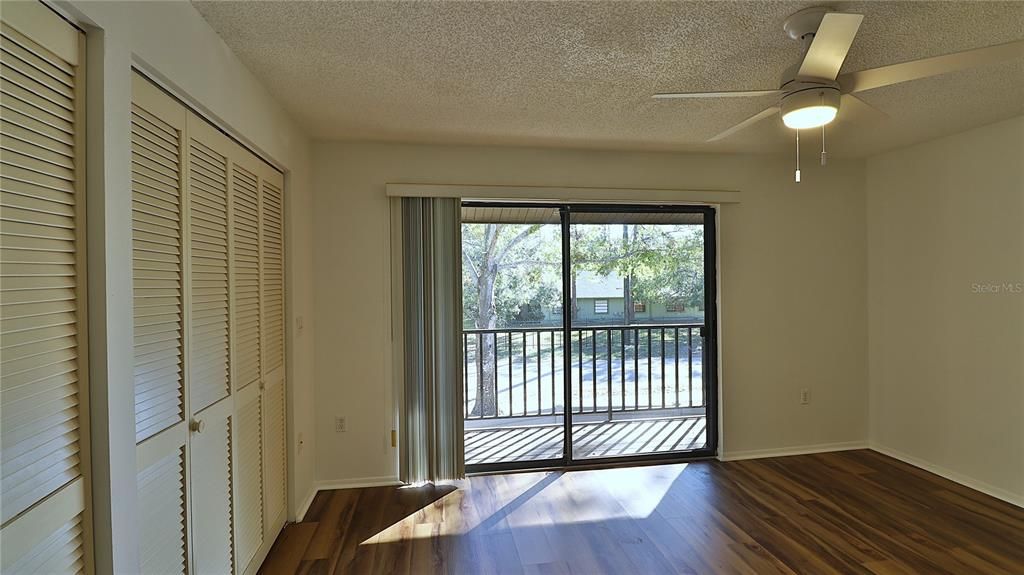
[[614, 369]]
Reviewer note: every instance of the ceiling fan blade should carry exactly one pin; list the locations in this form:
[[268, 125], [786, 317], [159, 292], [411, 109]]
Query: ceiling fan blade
[[916, 69], [746, 123], [738, 94], [831, 42], [853, 108]]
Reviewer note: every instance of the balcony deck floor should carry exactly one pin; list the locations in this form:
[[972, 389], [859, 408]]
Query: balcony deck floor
[[592, 439]]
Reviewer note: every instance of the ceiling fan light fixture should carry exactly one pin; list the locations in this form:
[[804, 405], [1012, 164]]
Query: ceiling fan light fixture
[[809, 117], [810, 108]]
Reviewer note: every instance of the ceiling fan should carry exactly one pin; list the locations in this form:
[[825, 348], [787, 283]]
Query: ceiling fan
[[812, 90]]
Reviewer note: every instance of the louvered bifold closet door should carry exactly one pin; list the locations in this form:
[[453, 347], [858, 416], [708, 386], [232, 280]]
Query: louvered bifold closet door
[[274, 402], [209, 346], [248, 475], [161, 479], [273, 273], [210, 489], [43, 390], [209, 349], [158, 176], [245, 239], [245, 359]]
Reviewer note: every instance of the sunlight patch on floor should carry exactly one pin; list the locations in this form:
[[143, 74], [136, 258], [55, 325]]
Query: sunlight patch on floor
[[584, 496]]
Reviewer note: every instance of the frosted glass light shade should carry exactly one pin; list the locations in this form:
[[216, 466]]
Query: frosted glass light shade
[[810, 108], [809, 117]]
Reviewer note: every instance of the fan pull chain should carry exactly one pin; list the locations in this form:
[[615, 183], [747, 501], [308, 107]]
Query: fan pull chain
[[824, 155], [798, 156]]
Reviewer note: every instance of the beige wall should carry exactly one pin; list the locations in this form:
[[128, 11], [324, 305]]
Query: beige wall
[[793, 286], [204, 72], [946, 277]]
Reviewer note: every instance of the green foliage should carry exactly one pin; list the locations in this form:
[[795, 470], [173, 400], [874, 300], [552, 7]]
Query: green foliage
[[519, 265], [665, 263], [522, 261]]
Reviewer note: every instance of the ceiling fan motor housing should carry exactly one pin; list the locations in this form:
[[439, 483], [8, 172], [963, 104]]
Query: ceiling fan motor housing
[[803, 24]]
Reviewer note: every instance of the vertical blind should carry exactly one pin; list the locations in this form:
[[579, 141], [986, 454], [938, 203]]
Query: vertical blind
[[432, 425]]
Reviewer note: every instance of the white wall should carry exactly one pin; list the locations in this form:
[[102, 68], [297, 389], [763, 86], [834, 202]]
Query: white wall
[[946, 284], [171, 42], [793, 286]]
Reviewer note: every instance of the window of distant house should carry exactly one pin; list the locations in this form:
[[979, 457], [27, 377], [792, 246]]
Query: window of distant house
[[600, 306], [639, 307], [675, 308]]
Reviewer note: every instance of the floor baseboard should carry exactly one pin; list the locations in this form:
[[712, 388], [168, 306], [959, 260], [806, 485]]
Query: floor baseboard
[[353, 483], [953, 476], [356, 482], [964, 480], [796, 450], [304, 507]]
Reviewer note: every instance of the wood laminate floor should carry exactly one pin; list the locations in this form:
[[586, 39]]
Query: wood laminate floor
[[848, 512]]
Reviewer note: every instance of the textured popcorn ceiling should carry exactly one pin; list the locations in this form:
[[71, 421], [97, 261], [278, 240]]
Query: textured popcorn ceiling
[[581, 74]]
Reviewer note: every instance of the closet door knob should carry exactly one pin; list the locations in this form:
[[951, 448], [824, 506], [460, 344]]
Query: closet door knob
[[197, 425]]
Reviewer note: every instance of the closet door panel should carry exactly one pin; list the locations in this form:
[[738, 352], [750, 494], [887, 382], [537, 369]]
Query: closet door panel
[[275, 401], [158, 269], [43, 369], [208, 361], [272, 228], [275, 438], [246, 355], [49, 538], [161, 480], [40, 330], [209, 264], [248, 475], [212, 510], [157, 259], [245, 241]]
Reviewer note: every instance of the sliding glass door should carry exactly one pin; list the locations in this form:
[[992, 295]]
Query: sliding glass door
[[513, 340], [638, 301], [586, 333]]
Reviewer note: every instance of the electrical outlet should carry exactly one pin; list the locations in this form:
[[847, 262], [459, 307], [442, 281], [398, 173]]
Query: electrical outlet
[[339, 425], [805, 396]]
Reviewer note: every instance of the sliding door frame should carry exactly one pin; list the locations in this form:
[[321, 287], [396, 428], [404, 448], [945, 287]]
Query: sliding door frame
[[710, 330], [710, 333]]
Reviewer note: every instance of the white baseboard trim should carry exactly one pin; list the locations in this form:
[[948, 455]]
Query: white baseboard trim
[[304, 507], [796, 450], [341, 484], [997, 492], [964, 480], [357, 482]]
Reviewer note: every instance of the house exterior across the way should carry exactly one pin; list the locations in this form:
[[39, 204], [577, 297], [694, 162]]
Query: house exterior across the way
[[600, 300]]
